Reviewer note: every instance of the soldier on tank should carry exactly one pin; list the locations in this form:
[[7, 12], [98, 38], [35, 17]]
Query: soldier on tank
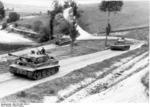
[[32, 52], [121, 40], [43, 51], [38, 52]]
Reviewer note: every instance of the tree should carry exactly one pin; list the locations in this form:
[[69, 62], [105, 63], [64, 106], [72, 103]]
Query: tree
[[110, 6], [73, 4], [44, 34], [4, 25], [2, 11], [70, 14], [66, 4], [73, 34], [13, 16], [61, 25], [2, 14], [56, 8], [75, 8]]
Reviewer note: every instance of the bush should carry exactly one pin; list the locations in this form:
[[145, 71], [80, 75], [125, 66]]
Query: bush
[[15, 24], [22, 94], [2, 13], [44, 34], [4, 25], [52, 91], [13, 16], [145, 80], [61, 25]]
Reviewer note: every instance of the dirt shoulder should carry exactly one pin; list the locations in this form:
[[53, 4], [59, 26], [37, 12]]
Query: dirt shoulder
[[52, 88]]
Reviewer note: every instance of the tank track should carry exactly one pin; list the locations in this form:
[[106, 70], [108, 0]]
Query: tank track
[[122, 48], [35, 75]]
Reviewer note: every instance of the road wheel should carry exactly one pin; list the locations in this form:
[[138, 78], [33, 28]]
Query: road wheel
[[29, 74], [44, 74], [54, 70], [37, 75]]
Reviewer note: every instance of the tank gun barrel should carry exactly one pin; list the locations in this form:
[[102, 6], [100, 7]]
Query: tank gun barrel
[[9, 54], [17, 56]]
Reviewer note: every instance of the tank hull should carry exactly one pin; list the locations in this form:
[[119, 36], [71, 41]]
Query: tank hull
[[62, 42], [120, 47], [34, 74]]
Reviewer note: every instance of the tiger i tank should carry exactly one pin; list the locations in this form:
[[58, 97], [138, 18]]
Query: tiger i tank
[[34, 66], [120, 44]]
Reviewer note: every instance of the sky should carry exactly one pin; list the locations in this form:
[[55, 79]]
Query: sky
[[42, 5], [46, 2], [36, 5], [43, 2]]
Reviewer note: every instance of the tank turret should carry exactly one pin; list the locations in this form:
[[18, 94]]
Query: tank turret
[[35, 65]]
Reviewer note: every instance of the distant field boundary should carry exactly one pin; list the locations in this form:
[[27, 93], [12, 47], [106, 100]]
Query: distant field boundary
[[127, 29]]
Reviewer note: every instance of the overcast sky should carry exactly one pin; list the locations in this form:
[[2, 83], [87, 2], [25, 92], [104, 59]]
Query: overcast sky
[[46, 2], [40, 4], [43, 2]]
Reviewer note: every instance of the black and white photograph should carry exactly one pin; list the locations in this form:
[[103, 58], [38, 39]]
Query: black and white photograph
[[73, 52]]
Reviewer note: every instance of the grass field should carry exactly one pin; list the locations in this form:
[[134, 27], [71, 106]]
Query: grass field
[[5, 48], [133, 13], [141, 34], [43, 18]]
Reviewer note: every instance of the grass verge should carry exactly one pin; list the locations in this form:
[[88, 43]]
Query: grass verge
[[140, 34], [133, 13]]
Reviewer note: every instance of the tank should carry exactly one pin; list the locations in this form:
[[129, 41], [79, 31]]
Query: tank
[[120, 44], [62, 41], [34, 66]]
